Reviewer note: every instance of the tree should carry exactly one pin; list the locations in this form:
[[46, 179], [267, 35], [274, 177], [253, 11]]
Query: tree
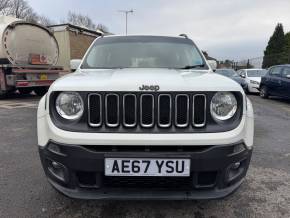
[[275, 53], [19, 9], [287, 47], [45, 21], [4, 5], [30, 16], [103, 28], [22, 10], [249, 65], [80, 20]]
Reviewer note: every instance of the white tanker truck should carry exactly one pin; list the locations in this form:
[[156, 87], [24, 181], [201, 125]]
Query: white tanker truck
[[28, 57]]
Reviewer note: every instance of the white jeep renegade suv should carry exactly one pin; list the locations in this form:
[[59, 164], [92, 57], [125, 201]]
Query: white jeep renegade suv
[[144, 117]]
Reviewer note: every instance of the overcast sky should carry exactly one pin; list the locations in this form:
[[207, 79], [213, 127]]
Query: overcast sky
[[224, 28]]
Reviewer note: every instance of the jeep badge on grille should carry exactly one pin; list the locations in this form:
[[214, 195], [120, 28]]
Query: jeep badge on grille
[[149, 88]]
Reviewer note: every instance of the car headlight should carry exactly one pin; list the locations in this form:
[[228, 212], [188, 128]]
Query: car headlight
[[223, 106], [69, 105], [254, 82]]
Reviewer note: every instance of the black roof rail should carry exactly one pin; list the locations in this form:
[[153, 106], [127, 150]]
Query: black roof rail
[[183, 35]]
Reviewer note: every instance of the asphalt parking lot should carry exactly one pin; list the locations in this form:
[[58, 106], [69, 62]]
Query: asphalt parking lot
[[24, 191]]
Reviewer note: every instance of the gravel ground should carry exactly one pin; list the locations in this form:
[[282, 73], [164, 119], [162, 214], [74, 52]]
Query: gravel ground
[[24, 191]]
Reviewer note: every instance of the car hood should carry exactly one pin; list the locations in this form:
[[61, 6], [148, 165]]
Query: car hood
[[132, 79], [238, 80]]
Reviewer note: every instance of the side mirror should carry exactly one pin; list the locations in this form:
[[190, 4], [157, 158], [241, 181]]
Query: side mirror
[[288, 76], [74, 64], [243, 76], [212, 64]]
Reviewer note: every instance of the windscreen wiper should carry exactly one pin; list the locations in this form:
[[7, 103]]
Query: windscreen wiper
[[191, 66]]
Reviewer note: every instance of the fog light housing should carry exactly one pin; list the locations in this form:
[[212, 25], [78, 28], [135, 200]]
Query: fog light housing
[[54, 148], [234, 171], [238, 148], [236, 165], [57, 170], [55, 165]]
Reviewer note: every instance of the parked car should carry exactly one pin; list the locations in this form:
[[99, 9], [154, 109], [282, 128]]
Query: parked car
[[253, 78], [276, 82], [145, 117], [234, 76]]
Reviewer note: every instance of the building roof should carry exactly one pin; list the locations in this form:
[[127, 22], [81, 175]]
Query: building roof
[[68, 26]]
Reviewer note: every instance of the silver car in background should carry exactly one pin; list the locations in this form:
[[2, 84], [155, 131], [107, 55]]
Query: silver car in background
[[232, 74], [252, 77]]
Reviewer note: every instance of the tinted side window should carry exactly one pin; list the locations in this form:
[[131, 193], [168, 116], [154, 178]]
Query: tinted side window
[[285, 72], [275, 71]]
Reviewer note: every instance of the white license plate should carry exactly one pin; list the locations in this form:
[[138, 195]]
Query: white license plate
[[147, 167]]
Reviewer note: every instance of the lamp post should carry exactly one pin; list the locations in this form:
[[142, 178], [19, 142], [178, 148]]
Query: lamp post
[[126, 12]]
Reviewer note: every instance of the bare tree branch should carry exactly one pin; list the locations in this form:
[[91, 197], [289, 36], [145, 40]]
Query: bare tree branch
[[4, 5], [81, 20], [103, 28], [30, 16], [22, 10], [19, 9], [45, 21]]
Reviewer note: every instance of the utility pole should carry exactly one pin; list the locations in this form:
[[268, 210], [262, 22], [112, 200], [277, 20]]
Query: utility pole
[[126, 12]]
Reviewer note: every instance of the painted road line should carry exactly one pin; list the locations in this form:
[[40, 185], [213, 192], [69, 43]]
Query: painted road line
[[15, 105]]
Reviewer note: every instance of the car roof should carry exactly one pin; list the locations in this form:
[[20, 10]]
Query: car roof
[[253, 69], [139, 35], [225, 69], [145, 38]]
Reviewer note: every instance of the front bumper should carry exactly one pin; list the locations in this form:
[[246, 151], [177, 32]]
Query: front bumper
[[253, 88], [212, 175]]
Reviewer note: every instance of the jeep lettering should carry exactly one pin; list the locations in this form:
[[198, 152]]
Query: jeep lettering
[[149, 88]]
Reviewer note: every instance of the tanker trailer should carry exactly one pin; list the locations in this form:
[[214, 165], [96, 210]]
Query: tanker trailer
[[28, 56]]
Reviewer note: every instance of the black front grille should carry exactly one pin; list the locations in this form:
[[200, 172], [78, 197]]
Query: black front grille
[[130, 110], [197, 180], [112, 110], [95, 110], [149, 182], [182, 110], [164, 110], [147, 110], [199, 110]]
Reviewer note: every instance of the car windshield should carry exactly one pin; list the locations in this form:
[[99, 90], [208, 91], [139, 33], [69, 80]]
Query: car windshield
[[256, 73], [227, 72], [143, 52]]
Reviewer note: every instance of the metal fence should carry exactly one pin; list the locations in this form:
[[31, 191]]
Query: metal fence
[[256, 62]]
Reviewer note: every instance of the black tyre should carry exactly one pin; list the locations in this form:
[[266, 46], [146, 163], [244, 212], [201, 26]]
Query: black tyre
[[246, 89], [2, 94], [40, 91], [25, 91], [264, 92]]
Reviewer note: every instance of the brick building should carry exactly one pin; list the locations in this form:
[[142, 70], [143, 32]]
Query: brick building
[[73, 42]]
